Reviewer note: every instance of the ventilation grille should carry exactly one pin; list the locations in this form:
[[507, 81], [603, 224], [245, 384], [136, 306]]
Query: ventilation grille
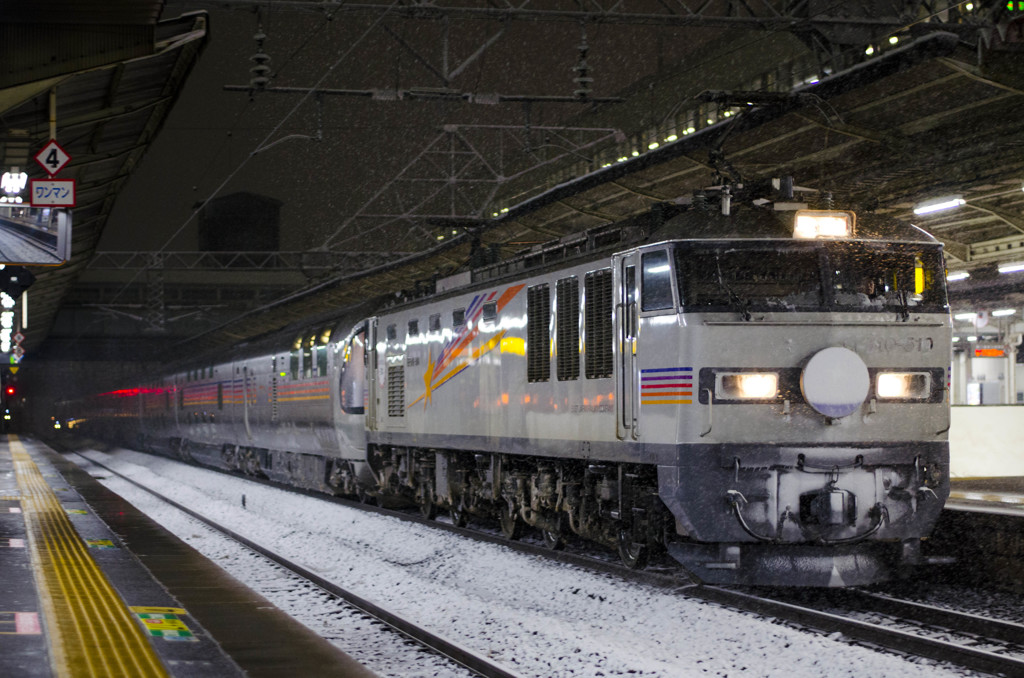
[[568, 309], [538, 350], [396, 391], [598, 323]]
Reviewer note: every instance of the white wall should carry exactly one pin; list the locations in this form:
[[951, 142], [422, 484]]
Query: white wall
[[987, 441]]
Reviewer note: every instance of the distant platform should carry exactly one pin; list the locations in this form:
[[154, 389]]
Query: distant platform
[[990, 495], [90, 586]]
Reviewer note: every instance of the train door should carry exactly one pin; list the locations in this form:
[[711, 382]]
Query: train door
[[247, 402], [626, 326], [372, 385]]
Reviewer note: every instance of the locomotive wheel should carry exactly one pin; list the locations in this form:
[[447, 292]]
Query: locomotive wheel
[[553, 538], [511, 526], [459, 515], [363, 496], [633, 555], [428, 509]]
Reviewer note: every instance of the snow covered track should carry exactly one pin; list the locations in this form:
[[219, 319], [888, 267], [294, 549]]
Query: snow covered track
[[938, 634], [566, 618], [457, 653]]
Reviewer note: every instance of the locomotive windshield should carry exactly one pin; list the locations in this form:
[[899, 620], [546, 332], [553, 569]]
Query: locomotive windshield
[[861, 276]]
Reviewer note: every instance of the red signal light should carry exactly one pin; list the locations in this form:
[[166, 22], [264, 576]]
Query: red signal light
[[9, 390]]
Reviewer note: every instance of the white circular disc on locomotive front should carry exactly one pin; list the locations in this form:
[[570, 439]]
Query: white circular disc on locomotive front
[[835, 382]]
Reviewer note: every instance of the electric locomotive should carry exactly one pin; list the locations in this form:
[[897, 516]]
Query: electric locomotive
[[756, 387]]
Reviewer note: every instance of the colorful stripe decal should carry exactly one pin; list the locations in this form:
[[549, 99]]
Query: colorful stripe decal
[[666, 386], [458, 354]]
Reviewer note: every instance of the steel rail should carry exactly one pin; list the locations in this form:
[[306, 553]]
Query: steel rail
[[883, 636], [457, 653], [923, 613]]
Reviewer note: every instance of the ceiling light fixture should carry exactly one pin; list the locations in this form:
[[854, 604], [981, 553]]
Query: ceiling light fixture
[[965, 316], [953, 276], [1004, 311], [939, 204], [1011, 267]]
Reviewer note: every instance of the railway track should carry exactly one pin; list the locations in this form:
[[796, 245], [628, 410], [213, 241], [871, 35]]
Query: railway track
[[459, 654], [973, 642]]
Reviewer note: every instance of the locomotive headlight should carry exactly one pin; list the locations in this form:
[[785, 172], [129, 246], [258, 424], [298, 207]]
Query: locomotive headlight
[[746, 385], [823, 224], [903, 385]]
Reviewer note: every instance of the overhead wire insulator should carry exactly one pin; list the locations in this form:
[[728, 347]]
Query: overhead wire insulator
[[260, 73], [583, 80]]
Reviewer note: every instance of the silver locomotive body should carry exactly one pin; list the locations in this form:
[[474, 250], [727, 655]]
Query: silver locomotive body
[[770, 409], [788, 396]]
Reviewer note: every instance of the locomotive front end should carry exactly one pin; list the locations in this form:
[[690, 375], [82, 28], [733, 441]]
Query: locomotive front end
[[814, 450]]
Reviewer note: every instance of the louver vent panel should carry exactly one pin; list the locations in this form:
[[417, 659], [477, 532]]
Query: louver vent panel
[[396, 391], [597, 288], [568, 310], [538, 315]]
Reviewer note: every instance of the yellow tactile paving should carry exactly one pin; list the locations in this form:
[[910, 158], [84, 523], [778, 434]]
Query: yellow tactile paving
[[91, 631]]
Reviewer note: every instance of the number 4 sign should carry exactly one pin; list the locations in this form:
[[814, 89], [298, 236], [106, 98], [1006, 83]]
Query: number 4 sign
[[52, 157]]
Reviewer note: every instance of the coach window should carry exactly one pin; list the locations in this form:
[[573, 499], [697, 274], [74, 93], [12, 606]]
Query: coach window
[[567, 337], [294, 359], [392, 332], [414, 328], [656, 282], [434, 323], [458, 318], [353, 374], [321, 361], [307, 356]]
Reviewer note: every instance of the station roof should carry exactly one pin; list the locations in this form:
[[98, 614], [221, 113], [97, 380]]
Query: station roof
[[879, 136], [937, 114], [115, 72]]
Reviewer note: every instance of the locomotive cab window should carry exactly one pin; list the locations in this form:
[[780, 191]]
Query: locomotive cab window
[[490, 312], [863, 276], [656, 282], [895, 277]]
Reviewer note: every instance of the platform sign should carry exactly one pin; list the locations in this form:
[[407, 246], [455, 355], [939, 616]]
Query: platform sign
[[52, 158], [52, 192]]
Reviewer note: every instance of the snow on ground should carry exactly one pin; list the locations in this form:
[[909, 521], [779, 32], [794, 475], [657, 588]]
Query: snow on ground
[[537, 617]]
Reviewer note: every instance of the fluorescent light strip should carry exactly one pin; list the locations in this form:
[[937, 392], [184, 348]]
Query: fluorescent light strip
[[944, 204], [953, 276], [1011, 267]]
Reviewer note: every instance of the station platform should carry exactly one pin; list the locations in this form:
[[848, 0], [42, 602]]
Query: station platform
[[991, 495], [89, 586]]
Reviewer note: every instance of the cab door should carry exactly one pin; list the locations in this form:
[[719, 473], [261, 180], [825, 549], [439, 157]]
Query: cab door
[[373, 380], [626, 323]]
